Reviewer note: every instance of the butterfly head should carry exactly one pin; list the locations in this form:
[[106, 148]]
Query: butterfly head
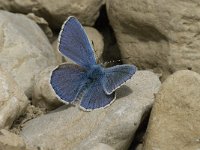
[[95, 72]]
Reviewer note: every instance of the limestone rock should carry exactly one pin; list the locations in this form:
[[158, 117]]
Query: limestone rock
[[13, 102], [68, 127], [43, 25], [101, 146], [174, 121], [157, 34], [24, 49], [139, 147], [54, 44], [56, 12], [4, 5], [11, 141], [43, 95], [96, 40]]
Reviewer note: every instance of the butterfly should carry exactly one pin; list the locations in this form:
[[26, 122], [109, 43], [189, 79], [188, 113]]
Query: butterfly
[[86, 81]]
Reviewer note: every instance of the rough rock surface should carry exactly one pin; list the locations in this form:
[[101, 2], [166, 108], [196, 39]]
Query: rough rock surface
[[96, 40], [44, 25], [56, 12], [174, 121], [13, 102], [30, 113], [101, 146], [68, 127], [43, 95], [157, 34], [24, 49], [10, 141]]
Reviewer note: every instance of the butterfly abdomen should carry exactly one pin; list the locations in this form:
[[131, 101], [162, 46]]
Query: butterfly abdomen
[[95, 73], [87, 81]]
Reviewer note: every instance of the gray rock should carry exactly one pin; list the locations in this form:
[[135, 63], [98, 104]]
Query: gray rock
[[174, 121], [101, 146], [56, 12], [43, 25], [58, 54], [13, 102], [11, 141], [43, 95], [70, 128], [161, 35], [24, 49], [139, 147]]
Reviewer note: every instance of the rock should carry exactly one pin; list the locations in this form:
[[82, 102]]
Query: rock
[[4, 5], [165, 33], [10, 141], [58, 54], [174, 121], [56, 12], [139, 147], [43, 95], [43, 25], [31, 112], [71, 128], [13, 102], [97, 42], [24, 49], [101, 146]]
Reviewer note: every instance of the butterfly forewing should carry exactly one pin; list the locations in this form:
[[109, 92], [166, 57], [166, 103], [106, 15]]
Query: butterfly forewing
[[74, 43], [93, 85]]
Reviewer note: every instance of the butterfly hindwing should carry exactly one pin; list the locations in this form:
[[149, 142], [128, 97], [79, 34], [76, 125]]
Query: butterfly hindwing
[[95, 97], [116, 76], [67, 81], [86, 81], [74, 43]]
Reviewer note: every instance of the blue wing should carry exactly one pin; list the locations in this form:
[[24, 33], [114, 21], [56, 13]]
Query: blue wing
[[95, 97], [116, 76], [67, 81], [74, 43]]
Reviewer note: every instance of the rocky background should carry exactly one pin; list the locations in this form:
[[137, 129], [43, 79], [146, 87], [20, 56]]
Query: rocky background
[[158, 109]]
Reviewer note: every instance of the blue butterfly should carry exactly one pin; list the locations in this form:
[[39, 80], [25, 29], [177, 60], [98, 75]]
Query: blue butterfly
[[88, 81]]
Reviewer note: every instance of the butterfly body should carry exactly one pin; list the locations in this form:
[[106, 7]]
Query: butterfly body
[[96, 72], [85, 81]]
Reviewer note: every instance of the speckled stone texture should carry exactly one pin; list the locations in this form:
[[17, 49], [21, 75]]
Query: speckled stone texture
[[70, 128], [24, 49], [174, 121], [161, 35]]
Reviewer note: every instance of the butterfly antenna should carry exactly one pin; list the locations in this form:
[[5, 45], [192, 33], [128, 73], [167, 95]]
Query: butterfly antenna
[[114, 61]]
